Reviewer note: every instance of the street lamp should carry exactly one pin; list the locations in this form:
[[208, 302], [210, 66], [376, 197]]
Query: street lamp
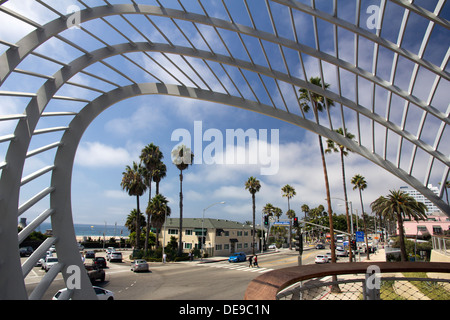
[[203, 222]]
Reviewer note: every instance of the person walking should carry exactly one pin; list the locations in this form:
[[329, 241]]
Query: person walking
[[255, 261], [250, 261]]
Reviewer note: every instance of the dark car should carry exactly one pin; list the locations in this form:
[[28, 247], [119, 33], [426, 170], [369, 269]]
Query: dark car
[[90, 254], [237, 257], [100, 262], [25, 251], [320, 246]]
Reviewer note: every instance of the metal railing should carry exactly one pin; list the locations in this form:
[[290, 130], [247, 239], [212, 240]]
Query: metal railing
[[390, 288], [355, 281], [441, 244]]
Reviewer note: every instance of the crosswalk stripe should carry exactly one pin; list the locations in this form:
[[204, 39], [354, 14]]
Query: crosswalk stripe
[[235, 267]]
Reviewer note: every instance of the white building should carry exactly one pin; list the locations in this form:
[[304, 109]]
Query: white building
[[421, 198]]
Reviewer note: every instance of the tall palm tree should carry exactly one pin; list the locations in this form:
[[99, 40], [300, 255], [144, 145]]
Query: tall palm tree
[[150, 157], [158, 209], [133, 183], [319, 103], [182, 158], [360, 183], [343, 151], [289, 193], [253, 185], [399, 204]]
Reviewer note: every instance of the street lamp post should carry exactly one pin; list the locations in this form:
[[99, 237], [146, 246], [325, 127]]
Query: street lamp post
[[203, 222], [164, 234]]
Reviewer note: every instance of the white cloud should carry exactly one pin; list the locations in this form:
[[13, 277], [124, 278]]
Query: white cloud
[[96, 154]]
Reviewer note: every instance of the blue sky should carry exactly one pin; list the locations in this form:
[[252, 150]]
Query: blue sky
[[117, 136]]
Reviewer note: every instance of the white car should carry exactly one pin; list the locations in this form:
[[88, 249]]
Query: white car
[[272, 246], [139, 265], [48, 263], [321, 259], [102, 294], [114, 256]]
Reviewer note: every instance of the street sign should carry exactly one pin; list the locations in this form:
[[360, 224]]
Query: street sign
[[359, 236], [281, 223]]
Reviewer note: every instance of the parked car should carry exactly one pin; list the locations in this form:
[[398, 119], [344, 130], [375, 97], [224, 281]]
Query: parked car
[[237, 257], [25, 251], [139, 265], [321, 259], [114, 256], [320, 246], [273, 246], [90, 254], [100, 262], [102, 294], [48, 263]]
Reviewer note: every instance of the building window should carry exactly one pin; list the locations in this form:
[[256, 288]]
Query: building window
[[188, 232], [226, 247], [239, 245], [245, 233], [187, 245], [437, 230], [239, 233], [245, 245], [218, 247], [173, 231], [227, 233]]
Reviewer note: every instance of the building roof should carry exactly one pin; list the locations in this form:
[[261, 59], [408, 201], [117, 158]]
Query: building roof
[[208, 223]]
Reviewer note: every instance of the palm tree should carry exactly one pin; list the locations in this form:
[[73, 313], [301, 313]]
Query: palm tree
[[268, 210], [130, 223], [158, 209], [277, 212], [343, 151], [182, 157], [133, 183], [150, 157], [360, 183], [305, 209], [158, 174], [289, 192], [399, 204], [319, 103], [253, 185]]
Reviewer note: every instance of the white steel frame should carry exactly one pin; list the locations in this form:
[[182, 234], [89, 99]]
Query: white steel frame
[[272, 99]]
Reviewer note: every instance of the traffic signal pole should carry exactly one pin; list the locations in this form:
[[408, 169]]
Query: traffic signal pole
[[298, 241]]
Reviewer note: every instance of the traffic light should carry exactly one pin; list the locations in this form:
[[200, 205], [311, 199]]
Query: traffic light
[[299, 243], [295, 222], [266, 220], [353, 244]]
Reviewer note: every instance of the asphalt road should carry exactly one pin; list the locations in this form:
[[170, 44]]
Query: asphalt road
[[183, 280]]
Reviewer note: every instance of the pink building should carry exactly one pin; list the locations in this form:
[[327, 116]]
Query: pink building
[[434, 225]]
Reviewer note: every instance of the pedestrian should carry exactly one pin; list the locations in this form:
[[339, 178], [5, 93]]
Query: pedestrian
[[255, 261], [164, 258], [250, 261]]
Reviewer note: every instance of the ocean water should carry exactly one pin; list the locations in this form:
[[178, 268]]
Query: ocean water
[[92, 230]]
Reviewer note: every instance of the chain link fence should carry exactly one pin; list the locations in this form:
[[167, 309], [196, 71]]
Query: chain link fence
[[401, 286]]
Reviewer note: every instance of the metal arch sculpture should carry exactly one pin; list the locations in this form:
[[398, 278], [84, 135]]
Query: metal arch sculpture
[[12, 273]]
